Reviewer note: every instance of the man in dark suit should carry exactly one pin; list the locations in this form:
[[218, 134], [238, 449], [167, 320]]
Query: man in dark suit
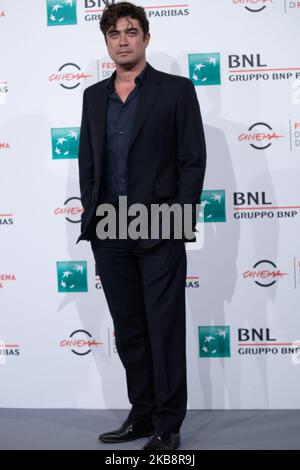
[[142, 137]]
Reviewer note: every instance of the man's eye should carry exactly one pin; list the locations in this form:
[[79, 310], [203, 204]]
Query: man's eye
[[131, 33]]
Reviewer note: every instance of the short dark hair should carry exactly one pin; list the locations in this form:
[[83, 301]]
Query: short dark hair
[[113, 12]]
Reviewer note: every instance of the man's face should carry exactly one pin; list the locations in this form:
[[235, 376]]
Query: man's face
[[126, 43]]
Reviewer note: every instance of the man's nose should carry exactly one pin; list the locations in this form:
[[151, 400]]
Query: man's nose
[[123, 39]]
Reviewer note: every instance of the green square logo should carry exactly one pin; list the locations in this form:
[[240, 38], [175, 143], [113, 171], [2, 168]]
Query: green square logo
[[61, 13], [213, 206], [205, 69], [65, 142], [72, 276], [214, 341]]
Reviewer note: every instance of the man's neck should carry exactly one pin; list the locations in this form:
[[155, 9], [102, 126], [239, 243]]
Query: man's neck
[[127, 77]]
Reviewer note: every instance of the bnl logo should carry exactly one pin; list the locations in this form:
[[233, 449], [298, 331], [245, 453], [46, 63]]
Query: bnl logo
[[72, 276], [65, 142], [213, 206], [205, 69], [214, 341], [61, 13]]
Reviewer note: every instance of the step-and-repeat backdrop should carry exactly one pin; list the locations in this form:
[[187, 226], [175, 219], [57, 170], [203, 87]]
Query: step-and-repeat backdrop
[[57, 345]]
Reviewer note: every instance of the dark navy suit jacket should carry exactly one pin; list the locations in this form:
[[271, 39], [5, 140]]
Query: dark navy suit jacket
[[167, 150]]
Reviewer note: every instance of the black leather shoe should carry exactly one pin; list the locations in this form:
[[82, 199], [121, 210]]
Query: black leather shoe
[[163, 441], [129, 431]]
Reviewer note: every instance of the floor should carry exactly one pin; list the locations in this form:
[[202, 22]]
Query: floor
[[24, 429]]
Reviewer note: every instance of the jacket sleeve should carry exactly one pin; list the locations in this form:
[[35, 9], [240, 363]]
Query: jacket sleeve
[[191, 147], [85, 159]]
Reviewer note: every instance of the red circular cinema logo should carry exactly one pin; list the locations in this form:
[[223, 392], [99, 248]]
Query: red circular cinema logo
[[69, 76], [80, 342], [264, 273], [260, 136], [71, 210]]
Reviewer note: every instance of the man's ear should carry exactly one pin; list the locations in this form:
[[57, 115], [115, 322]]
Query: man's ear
[[147, 38]]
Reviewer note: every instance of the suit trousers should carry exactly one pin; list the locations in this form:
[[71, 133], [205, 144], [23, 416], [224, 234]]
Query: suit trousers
[[145, 292]]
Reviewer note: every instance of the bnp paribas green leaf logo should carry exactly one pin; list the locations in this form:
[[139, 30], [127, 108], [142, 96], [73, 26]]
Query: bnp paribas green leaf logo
[[61, 13], [205, 69], [214, 341], [65, 142], [213, 206], [72, 276]]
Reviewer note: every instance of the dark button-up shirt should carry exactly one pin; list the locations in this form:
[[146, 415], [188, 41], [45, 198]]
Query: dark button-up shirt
[[119, 124]]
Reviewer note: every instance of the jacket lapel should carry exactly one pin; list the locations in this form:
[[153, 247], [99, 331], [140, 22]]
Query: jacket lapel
[[148, 95], [99, 121]]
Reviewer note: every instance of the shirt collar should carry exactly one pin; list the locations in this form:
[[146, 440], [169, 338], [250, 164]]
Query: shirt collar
[[140, 79]]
